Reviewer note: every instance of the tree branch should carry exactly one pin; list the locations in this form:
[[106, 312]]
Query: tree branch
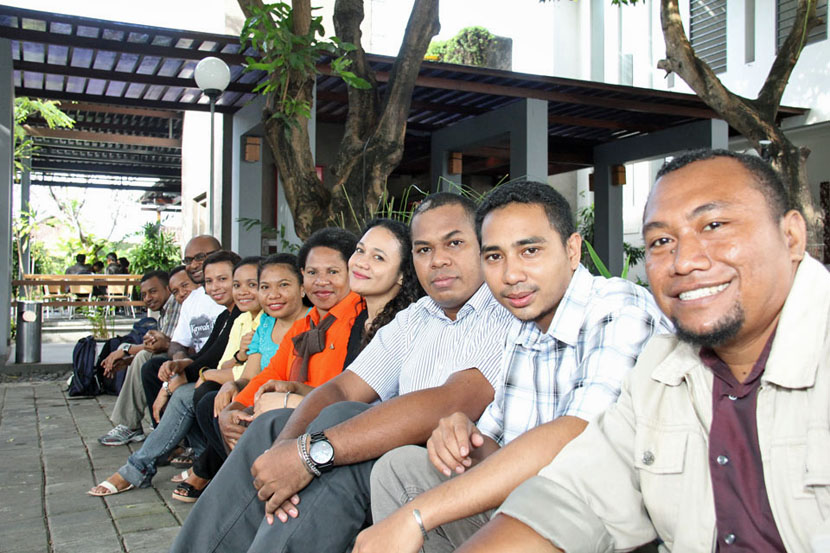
[[769, 99], [681, 58]]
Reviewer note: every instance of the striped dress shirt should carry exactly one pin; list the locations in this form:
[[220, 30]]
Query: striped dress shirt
[[169, 317], [577, 367], [422, 347]]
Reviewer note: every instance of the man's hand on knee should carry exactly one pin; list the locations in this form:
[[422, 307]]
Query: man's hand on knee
[[452, 442], [279, 475]]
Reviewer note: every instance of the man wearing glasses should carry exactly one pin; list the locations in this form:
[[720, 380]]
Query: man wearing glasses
[[196, 319]]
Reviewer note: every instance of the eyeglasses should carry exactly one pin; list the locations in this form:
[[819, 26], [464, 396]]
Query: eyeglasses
[[199, 257]]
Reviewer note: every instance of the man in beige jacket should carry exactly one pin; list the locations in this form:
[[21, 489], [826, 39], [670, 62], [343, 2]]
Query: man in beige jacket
[[720, 440]]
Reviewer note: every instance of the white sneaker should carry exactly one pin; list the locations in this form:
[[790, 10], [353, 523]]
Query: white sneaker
[[121, 435]]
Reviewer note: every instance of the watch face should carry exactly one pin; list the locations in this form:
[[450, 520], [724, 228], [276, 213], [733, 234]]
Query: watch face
[[321, 452]]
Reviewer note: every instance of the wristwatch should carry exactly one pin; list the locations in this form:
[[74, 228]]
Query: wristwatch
[[321, 452], [166, 387], [125, 347]]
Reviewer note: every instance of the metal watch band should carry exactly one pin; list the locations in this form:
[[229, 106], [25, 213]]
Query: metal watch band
[[321, 437], [306, 458]]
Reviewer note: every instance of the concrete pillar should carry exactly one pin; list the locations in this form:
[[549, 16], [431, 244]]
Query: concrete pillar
[[608, 222], [525, 123], [25, 185], [6, 172], [608, 219], [226, 188]]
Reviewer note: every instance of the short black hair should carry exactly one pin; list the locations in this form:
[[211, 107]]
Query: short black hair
[[249, 260], [766, 179], [163, 276], [440, 199], [176, 269], [112, 256], [288, 259], [555, 205], [222, 256], [80, 259], [331, 237]]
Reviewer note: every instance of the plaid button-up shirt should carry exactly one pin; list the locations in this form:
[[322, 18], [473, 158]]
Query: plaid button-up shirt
[[169, 316], [576, 368]]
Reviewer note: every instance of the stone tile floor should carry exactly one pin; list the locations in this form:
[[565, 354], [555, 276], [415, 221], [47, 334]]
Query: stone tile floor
[[50, 457]]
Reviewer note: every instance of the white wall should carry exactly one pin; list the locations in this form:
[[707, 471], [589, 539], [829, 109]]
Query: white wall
[[196, 172]]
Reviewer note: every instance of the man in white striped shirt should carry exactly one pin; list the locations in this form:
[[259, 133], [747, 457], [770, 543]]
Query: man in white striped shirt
[[439, 356], [574, 339]]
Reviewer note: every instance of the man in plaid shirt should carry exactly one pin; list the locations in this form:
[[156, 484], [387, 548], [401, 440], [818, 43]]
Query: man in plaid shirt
[[574, 339]]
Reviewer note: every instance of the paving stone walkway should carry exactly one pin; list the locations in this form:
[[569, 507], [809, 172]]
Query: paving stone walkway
[[50, 457]]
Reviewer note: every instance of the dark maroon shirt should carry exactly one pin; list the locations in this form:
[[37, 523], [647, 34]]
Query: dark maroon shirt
[[744, 517]]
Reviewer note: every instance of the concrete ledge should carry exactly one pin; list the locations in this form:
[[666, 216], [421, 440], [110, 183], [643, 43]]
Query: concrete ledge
[[35, 369]]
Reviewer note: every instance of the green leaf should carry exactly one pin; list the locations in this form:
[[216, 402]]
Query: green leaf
[[603, 270]]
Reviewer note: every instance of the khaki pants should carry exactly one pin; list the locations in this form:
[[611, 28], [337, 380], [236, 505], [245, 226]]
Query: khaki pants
[[131, 403], [406, 472]]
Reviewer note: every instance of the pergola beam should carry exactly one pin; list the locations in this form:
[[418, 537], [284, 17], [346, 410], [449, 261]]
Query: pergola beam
[[115, 76], [116, 169], [105, 137], [95, 44], [157, 104]]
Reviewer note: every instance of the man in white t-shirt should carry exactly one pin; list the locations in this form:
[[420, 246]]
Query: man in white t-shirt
[[196, 318]]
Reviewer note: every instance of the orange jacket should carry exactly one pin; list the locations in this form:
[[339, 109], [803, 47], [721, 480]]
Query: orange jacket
[[322, 366]]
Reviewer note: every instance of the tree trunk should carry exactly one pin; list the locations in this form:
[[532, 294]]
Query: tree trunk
[[754, 119], [373, 139]]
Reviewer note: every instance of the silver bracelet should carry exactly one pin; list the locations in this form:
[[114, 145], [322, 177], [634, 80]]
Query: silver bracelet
[[417, 514], [306, 458], [285, 405]]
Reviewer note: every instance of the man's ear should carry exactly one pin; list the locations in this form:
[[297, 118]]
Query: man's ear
[[794, 229], [573, 247]]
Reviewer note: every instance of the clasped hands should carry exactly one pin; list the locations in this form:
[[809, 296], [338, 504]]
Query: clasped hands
[[279, 475], [449, 448]]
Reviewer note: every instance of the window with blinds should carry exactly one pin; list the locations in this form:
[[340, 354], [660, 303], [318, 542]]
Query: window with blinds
[[707, 32], [786, 15]]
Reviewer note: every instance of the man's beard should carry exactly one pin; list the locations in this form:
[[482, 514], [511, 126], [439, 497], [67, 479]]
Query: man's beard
[[725, 329]]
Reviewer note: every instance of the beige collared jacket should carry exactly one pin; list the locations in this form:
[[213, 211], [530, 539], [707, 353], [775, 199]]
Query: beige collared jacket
[[641, 470]]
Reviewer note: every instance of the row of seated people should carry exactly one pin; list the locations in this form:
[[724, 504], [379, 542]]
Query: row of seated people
[[264, 330], [526, 405]]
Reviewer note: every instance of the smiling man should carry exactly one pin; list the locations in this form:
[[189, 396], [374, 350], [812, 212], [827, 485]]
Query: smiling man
[[156, 291], [574, 338], [721, 436], [438, 356]]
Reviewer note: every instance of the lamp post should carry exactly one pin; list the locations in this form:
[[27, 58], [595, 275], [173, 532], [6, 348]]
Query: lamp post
[[212, 77]]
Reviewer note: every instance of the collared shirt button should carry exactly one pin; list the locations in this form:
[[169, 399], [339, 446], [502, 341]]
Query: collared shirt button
[[648, 457], [733, 397], [729, 539], [722, 460]]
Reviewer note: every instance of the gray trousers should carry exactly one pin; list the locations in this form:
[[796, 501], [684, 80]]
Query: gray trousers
[[131, 403], [406, 472], [229, 517]]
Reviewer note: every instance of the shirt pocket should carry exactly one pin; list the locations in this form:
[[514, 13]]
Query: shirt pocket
[[815, 472], [660, 460]]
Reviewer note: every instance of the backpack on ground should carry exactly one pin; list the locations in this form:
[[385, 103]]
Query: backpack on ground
[[84, 381]]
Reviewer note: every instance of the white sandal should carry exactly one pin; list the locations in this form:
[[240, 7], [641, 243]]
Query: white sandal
[[181, 477], [110, 487]]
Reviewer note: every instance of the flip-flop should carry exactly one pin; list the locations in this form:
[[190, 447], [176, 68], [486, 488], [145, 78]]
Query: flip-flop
[[184, 460], [187, 493], [111, 489], [180, 476]]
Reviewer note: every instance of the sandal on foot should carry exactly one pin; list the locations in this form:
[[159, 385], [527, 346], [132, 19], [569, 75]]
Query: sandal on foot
[[111, 489], [187, 493], [180, 476], [184, 460]]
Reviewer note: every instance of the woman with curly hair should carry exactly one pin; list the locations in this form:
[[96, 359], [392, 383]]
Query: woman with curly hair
[[381, 272]]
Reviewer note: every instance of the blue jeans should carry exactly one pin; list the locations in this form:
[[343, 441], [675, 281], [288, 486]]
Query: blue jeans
[[176, 423]]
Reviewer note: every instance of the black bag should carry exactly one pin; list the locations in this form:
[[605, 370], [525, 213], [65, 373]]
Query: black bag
[[112, 384], [87, 372], [84, 381]]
